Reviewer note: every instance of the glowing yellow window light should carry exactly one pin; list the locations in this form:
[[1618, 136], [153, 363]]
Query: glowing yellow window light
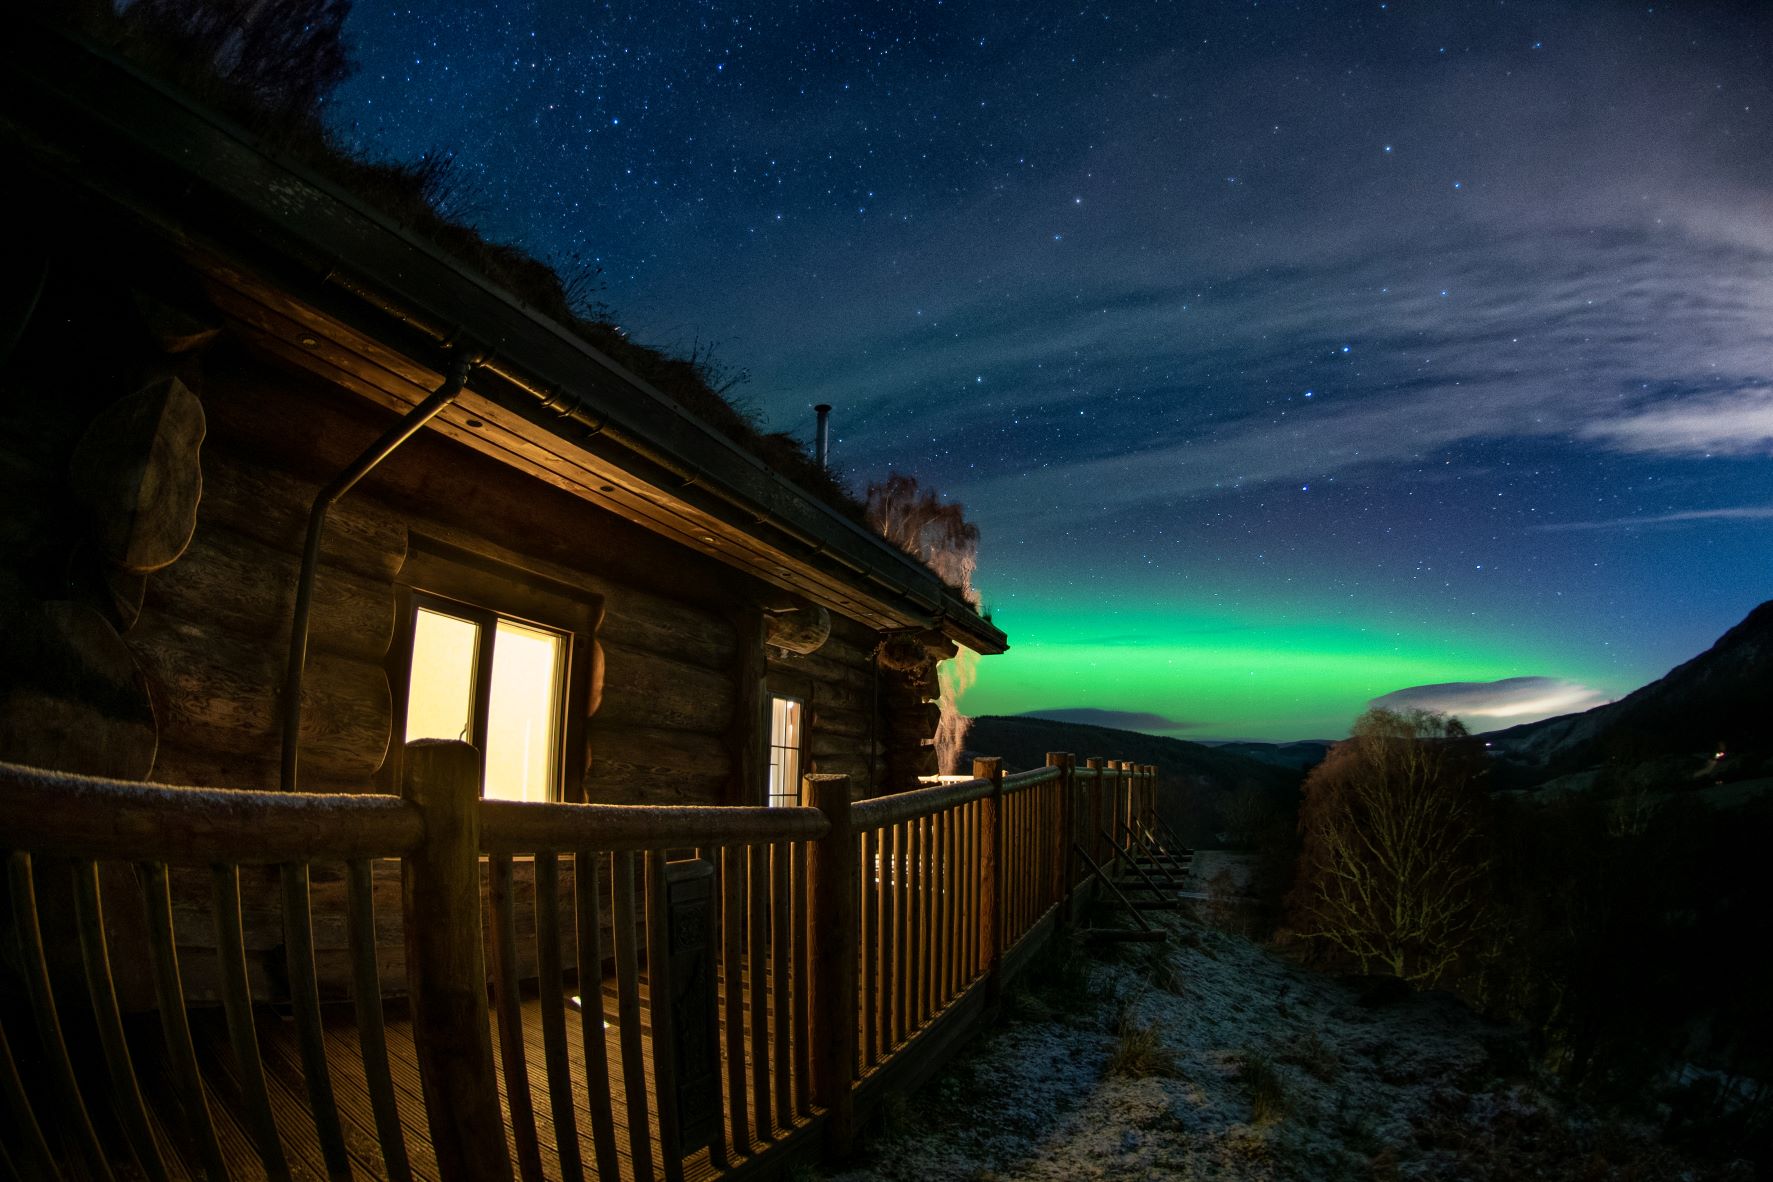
[[440, 700], [521, 744], [784, 786], [522, 726]]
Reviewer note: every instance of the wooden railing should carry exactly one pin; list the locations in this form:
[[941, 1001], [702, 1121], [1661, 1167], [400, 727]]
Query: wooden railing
[[744, 978]]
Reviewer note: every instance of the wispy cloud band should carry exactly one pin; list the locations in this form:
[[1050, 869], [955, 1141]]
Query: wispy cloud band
[[1683, 517], [1487, 705], [1735, 424]]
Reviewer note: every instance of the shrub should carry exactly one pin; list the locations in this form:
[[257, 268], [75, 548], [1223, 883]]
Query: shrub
[[1139, 1051], [1264, 1086]]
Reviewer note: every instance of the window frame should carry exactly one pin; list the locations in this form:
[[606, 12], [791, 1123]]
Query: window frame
[[771, 697], [483, 590]]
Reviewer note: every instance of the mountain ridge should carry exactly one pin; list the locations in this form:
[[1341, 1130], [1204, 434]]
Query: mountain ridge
[[1719, 701]]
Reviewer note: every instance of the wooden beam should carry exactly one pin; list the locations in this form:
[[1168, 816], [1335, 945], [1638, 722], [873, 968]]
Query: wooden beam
[[749, 727], [832, 955], [446, 963]]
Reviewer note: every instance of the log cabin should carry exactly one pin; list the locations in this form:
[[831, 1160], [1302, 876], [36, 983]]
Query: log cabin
[[300, 507], [205, 342]]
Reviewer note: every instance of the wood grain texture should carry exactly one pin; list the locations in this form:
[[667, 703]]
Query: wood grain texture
[[646, 689], [138, 475], [803, 630], [217, 690], [643, 765], [260, 501], [749, 726], [234, 581], [72, 695], [446, 964]]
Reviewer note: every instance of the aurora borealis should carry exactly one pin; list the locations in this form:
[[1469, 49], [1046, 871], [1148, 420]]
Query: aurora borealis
[[1287, 355]]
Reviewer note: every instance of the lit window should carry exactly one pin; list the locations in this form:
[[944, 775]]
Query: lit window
[[493, 682], [785, 733]]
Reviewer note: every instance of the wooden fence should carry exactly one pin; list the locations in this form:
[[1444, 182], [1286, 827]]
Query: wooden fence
[[712, 990]]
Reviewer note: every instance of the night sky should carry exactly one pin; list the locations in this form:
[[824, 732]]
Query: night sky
[[1286, 355]]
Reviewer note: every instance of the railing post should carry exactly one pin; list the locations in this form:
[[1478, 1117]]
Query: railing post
[[1135, 795], [991, 900], [1123, 802], [1098, 790], [1067, 765], [834, 931], [445, 963]]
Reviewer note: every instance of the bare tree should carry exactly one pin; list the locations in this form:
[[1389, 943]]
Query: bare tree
[[939, 535], [1390, 862]]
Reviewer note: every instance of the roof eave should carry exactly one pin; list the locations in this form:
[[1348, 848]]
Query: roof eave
[[58, 86]]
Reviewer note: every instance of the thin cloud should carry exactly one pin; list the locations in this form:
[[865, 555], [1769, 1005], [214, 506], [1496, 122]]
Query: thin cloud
[[1488, 705], [1125, 720], [1520, 348], [1736, 424], [1732, 513]]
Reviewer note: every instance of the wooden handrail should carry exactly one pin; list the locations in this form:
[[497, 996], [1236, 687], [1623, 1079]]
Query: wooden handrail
[[1032, 778], [919, 802], [898, 807], [527, 827], [59, 813], [862, 925]]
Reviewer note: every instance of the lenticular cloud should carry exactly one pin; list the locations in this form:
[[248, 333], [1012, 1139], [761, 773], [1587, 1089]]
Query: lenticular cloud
[[1486, 705]]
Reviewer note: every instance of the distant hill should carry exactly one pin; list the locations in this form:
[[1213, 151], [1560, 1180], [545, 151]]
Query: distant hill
[[1195, 781], [1303, 754], [1721, 699]]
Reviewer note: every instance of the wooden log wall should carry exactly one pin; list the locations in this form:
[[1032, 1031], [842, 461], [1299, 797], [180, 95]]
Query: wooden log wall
[[837, 682], [214, 625], [208, 628], [910, 714], [195, 600], [666, 692], [98, 475]]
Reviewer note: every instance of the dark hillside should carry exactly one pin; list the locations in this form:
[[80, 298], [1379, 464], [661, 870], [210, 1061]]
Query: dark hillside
[[1200, 788], [1303, 754], [1720, 700]]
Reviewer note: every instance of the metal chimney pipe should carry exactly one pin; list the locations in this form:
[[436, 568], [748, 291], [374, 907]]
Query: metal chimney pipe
[[822, 449]]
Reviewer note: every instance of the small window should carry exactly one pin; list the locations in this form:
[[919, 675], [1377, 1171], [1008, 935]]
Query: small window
[[495, 682], [785, 740], [498, 655]]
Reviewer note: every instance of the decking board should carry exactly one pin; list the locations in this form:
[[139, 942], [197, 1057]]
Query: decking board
[[279, 1047]]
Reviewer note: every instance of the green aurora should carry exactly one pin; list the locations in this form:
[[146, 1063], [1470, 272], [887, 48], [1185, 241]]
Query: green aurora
[[1219, 677]]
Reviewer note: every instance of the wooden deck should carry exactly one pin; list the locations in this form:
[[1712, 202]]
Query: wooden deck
[[975, 886], [289, 1102]]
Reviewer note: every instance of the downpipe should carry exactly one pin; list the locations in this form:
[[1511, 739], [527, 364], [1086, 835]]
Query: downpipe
[[461, 365]]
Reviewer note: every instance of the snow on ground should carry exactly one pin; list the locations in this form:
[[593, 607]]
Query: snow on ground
[[1212, 1058]]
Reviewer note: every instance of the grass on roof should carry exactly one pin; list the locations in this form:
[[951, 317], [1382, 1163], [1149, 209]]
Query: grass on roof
[[182, 41]]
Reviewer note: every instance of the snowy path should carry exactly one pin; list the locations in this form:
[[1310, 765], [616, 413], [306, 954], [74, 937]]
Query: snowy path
[[1235, 1064]]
